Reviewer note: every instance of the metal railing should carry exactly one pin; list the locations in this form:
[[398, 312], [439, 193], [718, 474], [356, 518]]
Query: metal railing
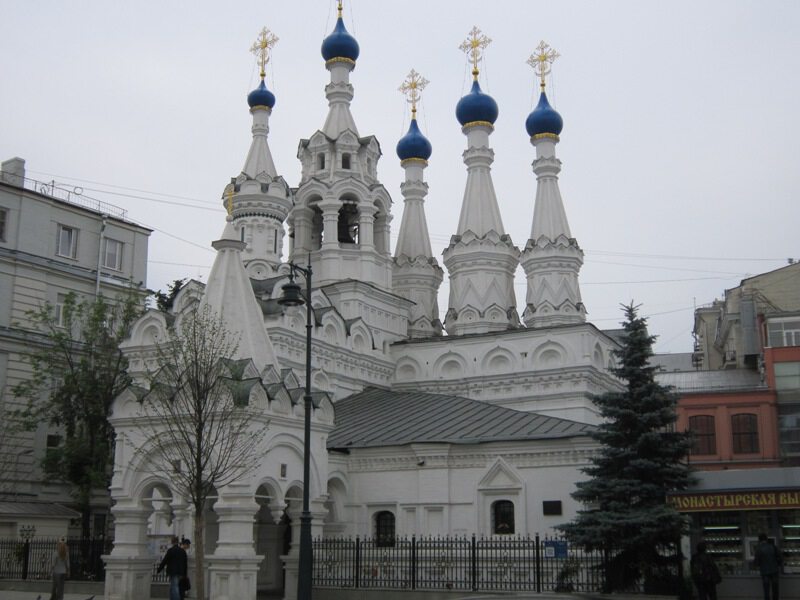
[[33, 559], [67, 193], [507, 563]]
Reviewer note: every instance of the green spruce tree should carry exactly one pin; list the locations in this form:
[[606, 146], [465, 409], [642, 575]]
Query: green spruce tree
[[641, 458]]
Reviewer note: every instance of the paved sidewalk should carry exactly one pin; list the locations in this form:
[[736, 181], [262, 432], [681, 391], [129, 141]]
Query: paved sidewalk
[[15, 595]]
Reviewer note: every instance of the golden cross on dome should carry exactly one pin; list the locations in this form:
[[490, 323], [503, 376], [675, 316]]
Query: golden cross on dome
[[542, 60], [339, 8], [411, 88], [266, 40], [473, 46]]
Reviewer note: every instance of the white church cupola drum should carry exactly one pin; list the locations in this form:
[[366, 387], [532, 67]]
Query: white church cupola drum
[[481, 258], [259, 200], [341, 217], [552, 258], [416, 274]]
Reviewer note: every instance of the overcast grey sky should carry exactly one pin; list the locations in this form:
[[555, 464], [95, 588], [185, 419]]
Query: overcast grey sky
[[679, 149]]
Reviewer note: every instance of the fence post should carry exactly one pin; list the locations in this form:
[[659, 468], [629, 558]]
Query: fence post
[[413, 562], [357, 574], [474, 564], [25, 558], [538, 558]]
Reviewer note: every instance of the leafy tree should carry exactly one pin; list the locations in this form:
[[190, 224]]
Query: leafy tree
[[77, 369], [641, 458], [202, 430]]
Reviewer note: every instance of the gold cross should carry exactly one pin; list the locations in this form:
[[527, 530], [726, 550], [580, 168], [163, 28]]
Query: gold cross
[[339, 8], [411, 87], [473, 46], [542, 60], [263, 44]]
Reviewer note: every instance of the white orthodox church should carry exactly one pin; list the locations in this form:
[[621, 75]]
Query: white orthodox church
[[474, 424]]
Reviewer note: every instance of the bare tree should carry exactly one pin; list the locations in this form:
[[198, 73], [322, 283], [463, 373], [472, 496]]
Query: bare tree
[[204, 432]]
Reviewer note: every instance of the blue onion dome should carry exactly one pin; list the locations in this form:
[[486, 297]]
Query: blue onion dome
[[340, 44], [476, 106], [544, 119], [261, 96], [414, 144]]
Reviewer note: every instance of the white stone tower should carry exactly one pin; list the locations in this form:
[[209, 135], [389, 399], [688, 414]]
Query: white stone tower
[[259, 199], [416, 275], [552, 258], [481, 257], [342, 213]]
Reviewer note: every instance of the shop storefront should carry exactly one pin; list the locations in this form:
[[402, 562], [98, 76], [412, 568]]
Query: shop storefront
[[730, 508]]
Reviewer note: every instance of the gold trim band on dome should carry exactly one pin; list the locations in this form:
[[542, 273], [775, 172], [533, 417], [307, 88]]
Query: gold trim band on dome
[[413, 160], [259, 107], [340, 59], [478, 124], [542, 136]]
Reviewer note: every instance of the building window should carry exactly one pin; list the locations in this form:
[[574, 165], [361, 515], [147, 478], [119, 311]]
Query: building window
[[3, 224], [384, 528], [787, 376], [783, 332], [704, 439], [346, 161], [112, 257], [789, 429], [745, 433], [67, 241], [320, 161], [503, 517], [58, 313]]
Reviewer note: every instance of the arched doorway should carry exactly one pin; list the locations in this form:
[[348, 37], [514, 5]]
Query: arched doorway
[[269, 532]]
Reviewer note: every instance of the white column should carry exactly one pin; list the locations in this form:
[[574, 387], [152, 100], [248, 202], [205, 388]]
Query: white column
[[129, 566]]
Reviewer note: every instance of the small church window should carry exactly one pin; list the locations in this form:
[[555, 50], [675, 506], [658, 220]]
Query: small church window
[[345, 161], [503, 517], [384, 528], [348, 224], [320, 161]]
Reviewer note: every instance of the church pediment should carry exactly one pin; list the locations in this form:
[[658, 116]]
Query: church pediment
[[500, 476]]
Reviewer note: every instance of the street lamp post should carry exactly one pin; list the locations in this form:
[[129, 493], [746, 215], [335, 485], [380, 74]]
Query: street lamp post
[[291, 297]]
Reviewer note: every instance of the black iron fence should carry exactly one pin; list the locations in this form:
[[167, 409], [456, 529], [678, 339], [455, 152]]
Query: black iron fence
[[507, 563], [33, 559]]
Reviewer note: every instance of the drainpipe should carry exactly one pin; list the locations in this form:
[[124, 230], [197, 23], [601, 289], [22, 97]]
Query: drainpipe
[[100, 254]]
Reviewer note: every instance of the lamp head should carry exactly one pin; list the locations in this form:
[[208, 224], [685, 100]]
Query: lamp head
[[291, 295]]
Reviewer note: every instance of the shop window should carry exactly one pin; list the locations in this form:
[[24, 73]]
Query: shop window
[[745, 433], [704, 439], [67, 242], [384, 528], [503, 517]]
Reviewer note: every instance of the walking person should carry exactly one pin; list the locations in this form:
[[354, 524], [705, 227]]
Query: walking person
[[705, 574], [768, 561], [186, 583], [177, 565], [60, 570]]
